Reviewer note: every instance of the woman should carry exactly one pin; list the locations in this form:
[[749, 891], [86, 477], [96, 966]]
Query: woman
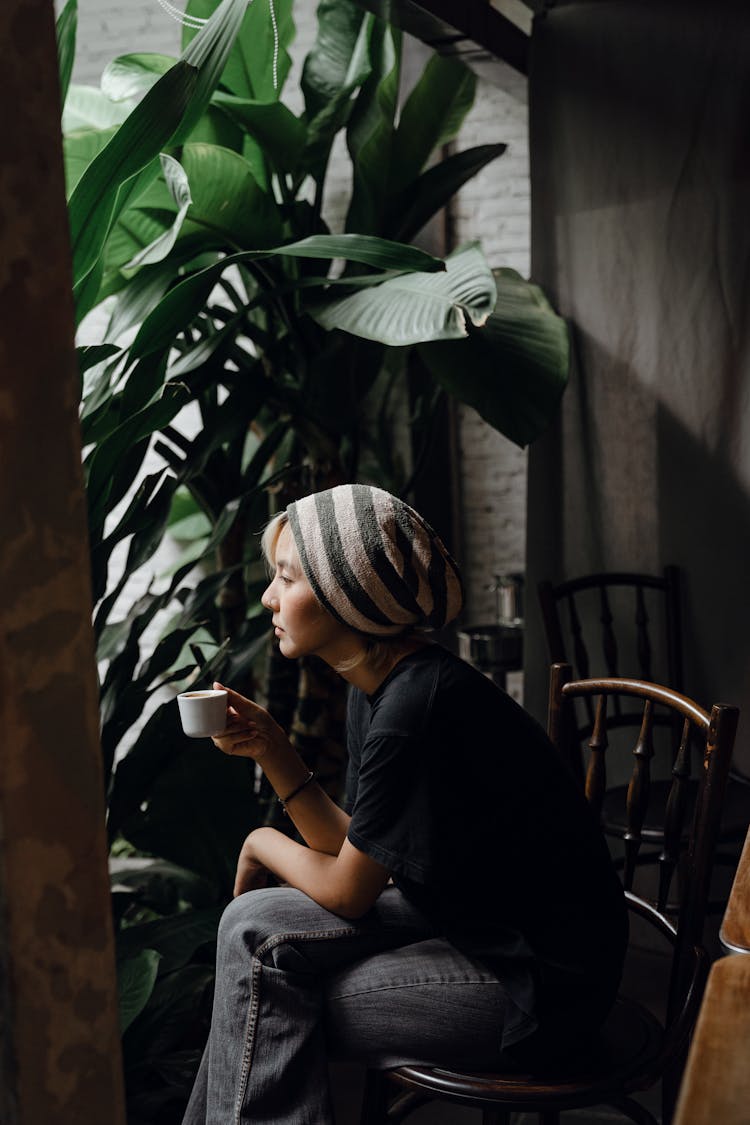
[[462, 907]]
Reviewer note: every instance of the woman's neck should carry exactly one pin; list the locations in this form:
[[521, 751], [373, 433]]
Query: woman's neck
[[368, 678]]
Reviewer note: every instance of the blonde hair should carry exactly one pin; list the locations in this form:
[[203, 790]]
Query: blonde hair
[[270, 538], [376, 651]]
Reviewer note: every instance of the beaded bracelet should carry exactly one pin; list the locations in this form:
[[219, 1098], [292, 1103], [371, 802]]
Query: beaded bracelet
[[284, 801]]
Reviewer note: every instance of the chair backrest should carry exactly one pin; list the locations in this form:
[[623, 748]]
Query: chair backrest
[[709, 735], [615, 624]]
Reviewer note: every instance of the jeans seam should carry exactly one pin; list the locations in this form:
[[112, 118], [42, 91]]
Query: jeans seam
[[419, 984], [252, 1018], [304, 935]]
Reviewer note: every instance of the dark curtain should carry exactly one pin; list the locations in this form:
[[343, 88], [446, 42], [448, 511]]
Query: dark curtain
[[640, 163]]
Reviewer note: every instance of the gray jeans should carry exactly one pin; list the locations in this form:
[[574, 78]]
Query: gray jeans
[[297, 985]]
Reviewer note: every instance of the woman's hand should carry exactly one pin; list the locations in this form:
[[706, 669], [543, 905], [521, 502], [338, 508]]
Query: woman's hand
[[251, 874], [251, 732]]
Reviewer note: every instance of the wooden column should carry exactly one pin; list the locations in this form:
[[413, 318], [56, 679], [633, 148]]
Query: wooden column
[[59, 1039]]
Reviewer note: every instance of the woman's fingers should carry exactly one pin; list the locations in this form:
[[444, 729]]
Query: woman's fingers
[[250, 729], [238, 703], [237, 737]]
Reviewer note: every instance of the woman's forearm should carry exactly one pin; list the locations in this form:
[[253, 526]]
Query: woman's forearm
[[321, 823], [335, 882], [252, 732], [319, 820]]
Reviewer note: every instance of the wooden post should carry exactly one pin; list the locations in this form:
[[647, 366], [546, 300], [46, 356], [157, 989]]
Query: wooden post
[[59, 1039]]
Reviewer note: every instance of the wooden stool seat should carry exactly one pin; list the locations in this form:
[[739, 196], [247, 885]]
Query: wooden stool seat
[[629, 1042]]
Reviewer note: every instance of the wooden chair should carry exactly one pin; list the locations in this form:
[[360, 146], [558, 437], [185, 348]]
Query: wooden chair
[[616, 624], [716, 1084], [634, 1049]]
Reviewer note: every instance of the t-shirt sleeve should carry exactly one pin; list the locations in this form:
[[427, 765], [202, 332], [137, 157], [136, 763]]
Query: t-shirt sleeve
[[391, 817]]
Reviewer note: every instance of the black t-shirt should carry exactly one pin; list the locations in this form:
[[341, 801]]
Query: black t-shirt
[[459, 793]]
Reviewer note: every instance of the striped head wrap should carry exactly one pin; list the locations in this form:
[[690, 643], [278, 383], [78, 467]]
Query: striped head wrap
[[373, 562]]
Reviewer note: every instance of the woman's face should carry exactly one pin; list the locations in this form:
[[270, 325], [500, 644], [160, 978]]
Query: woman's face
[[301, 624]]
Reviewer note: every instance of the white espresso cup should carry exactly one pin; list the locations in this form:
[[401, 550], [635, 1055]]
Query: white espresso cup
[[203, 713]]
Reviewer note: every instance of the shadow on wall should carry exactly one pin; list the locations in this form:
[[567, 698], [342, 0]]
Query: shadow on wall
[[663, 497], [640, 176], [704, 526], [593, 502]]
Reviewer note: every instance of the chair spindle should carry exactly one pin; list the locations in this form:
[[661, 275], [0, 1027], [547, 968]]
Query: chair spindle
[[596, 774], [674, 818], [638, 794]]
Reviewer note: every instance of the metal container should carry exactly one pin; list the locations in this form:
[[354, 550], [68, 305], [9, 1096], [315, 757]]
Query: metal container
[[492, 648], [497, 648]]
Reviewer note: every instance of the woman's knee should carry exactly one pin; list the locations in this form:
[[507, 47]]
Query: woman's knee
[[256, 918]]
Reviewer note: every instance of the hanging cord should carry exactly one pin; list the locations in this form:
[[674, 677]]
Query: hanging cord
[[275, 63], [189, 21], [197, 22]]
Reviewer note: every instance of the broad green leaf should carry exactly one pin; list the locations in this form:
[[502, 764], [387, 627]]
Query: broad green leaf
[[377, 252], [139, 139], [179, 189], [209, 50], [138, 225], [136, 228], [417, 307], [86, 107], [280, 134], [195, 526], [431, 116], [189, 804], [337, 60], [175, 939], [154, 1041], [66, 28], [87, 292], [249, 71], [149, 531], [198, 356], [142, 872], [370, 132], [129, 77], [227, 200], [138, 298], [144, 523], [337, 65], [91, 355], [136, 977], [130, 522], [109, 469], [514, 370], [409, 212], [183, 303], [79, 149], [321, 132], [216, 127]]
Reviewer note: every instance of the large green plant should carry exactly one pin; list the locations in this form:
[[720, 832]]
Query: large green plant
[[197, 203]]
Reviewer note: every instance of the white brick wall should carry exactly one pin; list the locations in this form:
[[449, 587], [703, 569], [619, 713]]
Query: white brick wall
[[494, 207], [107, 29]]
